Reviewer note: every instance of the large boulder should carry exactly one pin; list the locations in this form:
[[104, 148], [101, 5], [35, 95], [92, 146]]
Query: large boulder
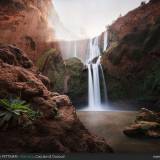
[[143, 128], [76, 77], [13, 56], [52, 65], [147, 124], [66, 76]]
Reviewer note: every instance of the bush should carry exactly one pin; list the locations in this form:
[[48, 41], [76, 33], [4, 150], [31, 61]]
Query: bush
[[135, 38], [117, 54], [42, 60], [152, 39], [16, 112], [152, 79], [136, 55]]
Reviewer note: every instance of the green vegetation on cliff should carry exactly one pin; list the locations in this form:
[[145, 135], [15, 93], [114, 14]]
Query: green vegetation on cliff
[[45, 56], [77, 83], [133, 66], [16, 112], [66, 76], [51, 64]]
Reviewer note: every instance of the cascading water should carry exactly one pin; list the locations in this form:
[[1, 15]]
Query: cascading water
[[90, 87], [75, 49], [94, 67], [96, 84], [105, 40]]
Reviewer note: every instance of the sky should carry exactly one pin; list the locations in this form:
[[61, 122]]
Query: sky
[[88, 18]]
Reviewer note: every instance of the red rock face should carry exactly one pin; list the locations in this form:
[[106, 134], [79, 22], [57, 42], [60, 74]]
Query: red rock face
[[25, 24], [64, 134], [137, 19]]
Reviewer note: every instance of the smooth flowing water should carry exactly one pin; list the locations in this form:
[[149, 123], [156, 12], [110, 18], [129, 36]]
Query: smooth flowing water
[[94, 68], [105, 42], [96, 85], [90, 87], [75, 49]]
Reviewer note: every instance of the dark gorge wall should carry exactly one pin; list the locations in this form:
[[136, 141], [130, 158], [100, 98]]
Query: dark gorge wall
[[131, 62]]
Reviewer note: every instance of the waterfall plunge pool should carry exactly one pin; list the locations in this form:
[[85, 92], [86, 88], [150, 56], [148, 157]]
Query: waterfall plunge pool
[[116, 106]]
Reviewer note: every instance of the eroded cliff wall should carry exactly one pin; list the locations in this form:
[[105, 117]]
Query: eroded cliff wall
[[24, 23]]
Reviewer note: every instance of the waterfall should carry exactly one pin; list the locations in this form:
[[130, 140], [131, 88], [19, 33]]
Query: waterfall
[[96, 85], [94, 68], [90, 87], [75, 49], [105, 42]]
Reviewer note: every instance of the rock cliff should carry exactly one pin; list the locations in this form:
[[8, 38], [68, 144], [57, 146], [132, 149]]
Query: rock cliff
[[132, 59], [25, 24]]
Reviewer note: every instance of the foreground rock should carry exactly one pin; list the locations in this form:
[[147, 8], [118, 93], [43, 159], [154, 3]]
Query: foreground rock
[[147, 124], [65, 133]]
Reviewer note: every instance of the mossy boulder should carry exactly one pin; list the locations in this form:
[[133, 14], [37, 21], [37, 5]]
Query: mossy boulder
[[52, 65], [74, 66], [66, 76], [77, 82]]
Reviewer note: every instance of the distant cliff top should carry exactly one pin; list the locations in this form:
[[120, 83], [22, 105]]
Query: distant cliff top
[[138, 19]]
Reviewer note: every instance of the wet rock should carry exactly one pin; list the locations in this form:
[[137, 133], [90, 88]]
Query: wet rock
[[143, 128], [148, 115], [52, 65], [45, 80], [147, 124], [62, 100], [14, 56]]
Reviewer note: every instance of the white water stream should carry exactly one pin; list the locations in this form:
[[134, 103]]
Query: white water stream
[[75, 49], [105, 41], [94, 71]]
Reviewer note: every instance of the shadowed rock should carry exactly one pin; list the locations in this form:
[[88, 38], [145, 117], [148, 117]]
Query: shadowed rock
[[147, 124]]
